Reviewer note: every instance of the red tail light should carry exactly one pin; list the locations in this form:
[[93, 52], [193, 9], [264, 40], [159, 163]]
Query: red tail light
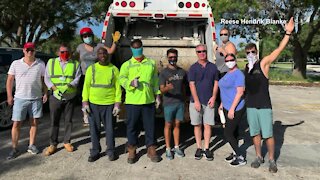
[[132, 4], [123, 4], [188, 4], [203, 4], [160, 16], [117, 4], [196, 5]]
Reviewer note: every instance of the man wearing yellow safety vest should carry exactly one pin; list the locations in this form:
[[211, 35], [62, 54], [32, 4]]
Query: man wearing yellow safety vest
[[139, 77], [61, 77], [101, 98]]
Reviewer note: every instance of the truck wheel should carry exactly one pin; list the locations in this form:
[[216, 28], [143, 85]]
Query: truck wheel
[[5, 115]]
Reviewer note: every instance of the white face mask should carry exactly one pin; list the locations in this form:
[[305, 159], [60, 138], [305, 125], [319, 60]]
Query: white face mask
[[88, 40], [231, 64], [252, 58], [224, 38]]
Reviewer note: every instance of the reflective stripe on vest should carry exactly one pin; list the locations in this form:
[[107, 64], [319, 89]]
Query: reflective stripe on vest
[[93, 84], [58, 76], [136, 65]]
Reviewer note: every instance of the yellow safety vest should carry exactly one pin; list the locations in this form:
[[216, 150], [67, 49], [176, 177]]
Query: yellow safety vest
[[147, 72], [64, 77], [101, 85]]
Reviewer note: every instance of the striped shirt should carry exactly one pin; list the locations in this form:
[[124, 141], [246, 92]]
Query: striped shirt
[[28, 81]]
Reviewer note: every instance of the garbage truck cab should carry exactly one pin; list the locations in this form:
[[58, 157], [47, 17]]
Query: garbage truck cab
[[161, 24]]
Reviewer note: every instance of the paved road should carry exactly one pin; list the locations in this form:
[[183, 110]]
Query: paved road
[[296, 128]]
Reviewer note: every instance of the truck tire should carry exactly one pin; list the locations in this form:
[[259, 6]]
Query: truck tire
[[5, 115]]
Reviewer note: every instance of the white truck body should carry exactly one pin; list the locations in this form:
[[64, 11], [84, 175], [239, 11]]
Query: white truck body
[[161, 24]]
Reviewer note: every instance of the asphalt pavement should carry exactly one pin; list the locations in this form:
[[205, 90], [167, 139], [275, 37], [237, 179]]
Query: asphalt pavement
[[296, 112]]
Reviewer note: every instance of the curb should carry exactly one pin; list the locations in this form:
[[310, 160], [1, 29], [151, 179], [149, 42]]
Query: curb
[[296, 83]]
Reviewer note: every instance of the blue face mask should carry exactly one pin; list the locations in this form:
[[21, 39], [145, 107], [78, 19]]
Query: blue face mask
[[137, 52], [87, 40]]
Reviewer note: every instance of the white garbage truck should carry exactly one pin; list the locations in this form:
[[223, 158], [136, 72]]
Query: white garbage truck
[[161, 24]]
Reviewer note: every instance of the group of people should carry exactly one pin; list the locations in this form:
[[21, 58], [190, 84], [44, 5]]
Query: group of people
[[236, 92]]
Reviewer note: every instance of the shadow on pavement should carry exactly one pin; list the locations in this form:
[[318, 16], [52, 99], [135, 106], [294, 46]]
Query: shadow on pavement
[[19, 163], [279, 130], [278, 133]]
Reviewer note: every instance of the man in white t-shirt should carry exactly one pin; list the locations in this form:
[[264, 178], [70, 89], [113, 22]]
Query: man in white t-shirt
[[30, 94]]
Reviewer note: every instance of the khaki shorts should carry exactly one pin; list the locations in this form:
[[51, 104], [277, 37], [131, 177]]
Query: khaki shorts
[[205, 116]]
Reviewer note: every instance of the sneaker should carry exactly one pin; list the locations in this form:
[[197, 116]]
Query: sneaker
[[178, 152], [13, 154], [33, 149], [257, 162], [198, 154], [169, 154], [230, 158], [208, 155], [239, 161], [272, 166]]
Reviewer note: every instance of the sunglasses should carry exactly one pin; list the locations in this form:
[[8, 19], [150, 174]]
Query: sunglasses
[[248, 52], [86, 35], [30, 49], [102, 53], [172, 57], [62, 52], [224, 34], [202, 51], [230, 60]]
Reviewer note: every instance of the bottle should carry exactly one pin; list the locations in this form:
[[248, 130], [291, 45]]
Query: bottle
[[222, 117]]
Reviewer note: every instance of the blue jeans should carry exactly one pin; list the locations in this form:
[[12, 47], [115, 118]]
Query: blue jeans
[[134, 114], [101, 113]]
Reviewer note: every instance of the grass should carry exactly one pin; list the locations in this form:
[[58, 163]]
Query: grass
[[241, 64], [280, 74], [283, 72]]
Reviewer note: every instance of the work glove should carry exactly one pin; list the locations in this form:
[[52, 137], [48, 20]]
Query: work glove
[[116, 109], [135, 82], [85, 108], [57, 94], [63, 89], [158, 101], [116, 36]]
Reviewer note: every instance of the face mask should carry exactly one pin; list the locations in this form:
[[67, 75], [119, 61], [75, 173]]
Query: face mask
[[230, 64], [87, 40], [137, 52], [224, 38], [252, 58], [64, 56], [172, 62]]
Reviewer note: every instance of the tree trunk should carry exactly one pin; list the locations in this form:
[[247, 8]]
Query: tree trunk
[[300, 61]]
